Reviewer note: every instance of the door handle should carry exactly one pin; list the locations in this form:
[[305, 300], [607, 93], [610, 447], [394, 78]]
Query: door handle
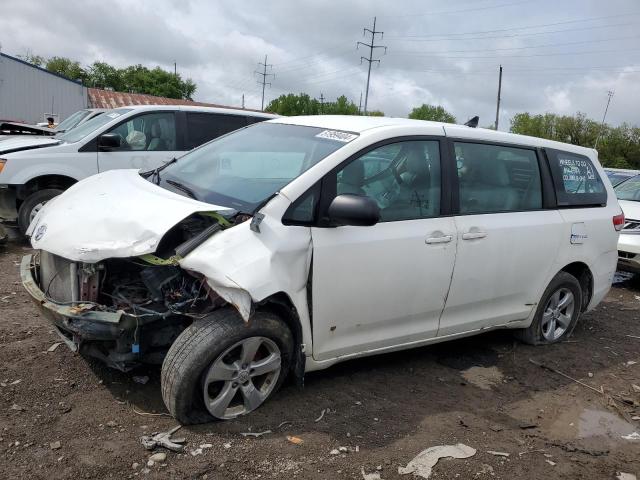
[[440, 239], [473, 235]]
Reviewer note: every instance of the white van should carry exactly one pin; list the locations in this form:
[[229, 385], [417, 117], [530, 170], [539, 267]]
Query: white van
[[296, 243], [34, 170]]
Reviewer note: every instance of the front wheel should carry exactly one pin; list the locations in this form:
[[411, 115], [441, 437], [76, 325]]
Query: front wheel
[[221, 368], [557, 312], [32, 205]]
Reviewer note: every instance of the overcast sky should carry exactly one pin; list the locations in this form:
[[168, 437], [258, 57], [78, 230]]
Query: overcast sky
[[560, 56]]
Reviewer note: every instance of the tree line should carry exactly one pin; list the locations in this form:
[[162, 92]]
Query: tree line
[[618, 147], [131, 79]]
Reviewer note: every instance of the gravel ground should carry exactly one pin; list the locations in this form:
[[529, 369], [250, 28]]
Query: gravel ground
[[64, 417]]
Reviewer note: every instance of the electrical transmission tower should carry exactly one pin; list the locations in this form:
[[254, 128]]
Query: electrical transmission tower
[[372, 46], [610, 94], [264, 76], [321, 103]]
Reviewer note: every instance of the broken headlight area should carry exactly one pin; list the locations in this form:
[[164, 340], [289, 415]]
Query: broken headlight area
[[153, 299]]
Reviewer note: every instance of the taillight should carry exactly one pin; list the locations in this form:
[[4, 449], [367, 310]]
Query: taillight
[[2, 162], [618, 222]]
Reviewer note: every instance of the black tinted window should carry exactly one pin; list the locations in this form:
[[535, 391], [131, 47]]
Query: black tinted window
[[576, 179], [495, 178], [202, 127]]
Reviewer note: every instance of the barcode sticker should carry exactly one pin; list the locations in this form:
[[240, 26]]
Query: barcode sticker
[[337, 135]]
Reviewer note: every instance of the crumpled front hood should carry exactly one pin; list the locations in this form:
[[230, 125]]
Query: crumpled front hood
[[16, 143], [630, 208], [113, 214]]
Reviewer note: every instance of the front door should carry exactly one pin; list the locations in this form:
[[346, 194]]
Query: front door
[[507, 242], [385, 285], [148, 141]]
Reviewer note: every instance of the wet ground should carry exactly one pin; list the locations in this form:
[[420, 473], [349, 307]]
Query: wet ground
[[61, 417]]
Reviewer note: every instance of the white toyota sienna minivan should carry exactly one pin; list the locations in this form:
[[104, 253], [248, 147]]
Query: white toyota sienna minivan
[[293, 244]]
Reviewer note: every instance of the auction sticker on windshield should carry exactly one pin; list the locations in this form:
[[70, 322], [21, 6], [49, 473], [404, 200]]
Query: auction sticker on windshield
[[337, 135]]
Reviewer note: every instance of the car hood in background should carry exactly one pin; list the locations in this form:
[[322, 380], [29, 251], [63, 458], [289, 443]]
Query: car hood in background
[[630, 208], [16, 143], [113, 214]]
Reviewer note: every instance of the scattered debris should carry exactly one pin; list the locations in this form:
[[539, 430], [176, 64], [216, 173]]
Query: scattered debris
[[206, 445], [197, 451], [496, 428], [255, 434], [630, 362], [590, 375], [163, 439], [335, 451], [343, 449], [527, 425], [53, 347], [17, 407], [485, 469], [158, 457], [632, 336], [636, 388], [15, 382], [370, 476], [498, 454], [138, 412], [324, 410], [422, 464], [135, 465], [483, 377], [55, 445], [626, 476], [141, 379], [632, 436], [552, 463], [546, 367], [226, 445], [282, 424], [295, 440]]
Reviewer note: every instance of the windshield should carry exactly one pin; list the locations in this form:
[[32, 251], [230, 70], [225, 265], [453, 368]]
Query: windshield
[[77, 134], [629, 189], [72, 121], [243, 169]]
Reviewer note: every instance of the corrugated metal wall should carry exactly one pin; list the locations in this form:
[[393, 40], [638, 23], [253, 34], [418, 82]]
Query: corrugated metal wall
[[27, 93]]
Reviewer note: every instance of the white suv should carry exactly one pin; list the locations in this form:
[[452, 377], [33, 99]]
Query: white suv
[[297, 243], [34, 170]]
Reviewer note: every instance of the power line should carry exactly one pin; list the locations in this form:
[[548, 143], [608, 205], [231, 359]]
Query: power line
[[264, 76], [372, 46], [446, 12]]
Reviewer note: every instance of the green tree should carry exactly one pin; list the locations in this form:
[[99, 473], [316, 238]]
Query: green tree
[[342, 106], [66, 67], [29, 57], [435, 113], [618, 146], [292, 105], [375, 113]]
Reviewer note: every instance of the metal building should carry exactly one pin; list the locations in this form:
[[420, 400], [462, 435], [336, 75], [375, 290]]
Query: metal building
[[31, 94]]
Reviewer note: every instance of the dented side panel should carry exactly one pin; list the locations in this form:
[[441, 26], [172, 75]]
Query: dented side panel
[[245, 267]]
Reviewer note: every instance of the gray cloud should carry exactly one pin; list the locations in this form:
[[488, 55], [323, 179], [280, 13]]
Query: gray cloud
[[557, 56]]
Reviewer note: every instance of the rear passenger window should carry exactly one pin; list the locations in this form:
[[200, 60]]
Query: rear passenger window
[[202, 127], [576, 179], [496, 178]]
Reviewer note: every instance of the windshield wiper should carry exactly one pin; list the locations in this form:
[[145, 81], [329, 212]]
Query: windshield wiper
[[183, 188], [155, 173]]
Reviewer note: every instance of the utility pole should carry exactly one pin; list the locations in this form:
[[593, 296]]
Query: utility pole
[[372, 46], [175, 69], [264, 76], [499, 98], [243, 101], [360, 105], [321, 103], [610, 94]]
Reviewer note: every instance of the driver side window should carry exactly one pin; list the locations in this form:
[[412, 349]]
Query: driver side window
[[150, 132], [402, 178]]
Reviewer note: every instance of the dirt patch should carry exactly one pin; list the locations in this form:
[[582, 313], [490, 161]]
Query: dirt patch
[[483, 377], [64, 417]]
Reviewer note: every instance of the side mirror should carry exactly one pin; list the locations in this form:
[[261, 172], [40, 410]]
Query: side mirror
[[108, 141], [355, 210]]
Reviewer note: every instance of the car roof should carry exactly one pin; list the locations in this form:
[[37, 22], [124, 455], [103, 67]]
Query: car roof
[[362, 124], [192, 108]]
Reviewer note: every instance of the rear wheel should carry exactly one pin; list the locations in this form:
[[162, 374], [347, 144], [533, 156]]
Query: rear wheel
[[221, 368], [557, 312], [32, 205]]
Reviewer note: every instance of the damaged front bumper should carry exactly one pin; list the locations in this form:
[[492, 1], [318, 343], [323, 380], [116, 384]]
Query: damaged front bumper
[[108, 336]]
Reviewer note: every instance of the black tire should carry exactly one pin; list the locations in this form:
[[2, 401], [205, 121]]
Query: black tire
[[37, 198], [534, 334], [203, 342]]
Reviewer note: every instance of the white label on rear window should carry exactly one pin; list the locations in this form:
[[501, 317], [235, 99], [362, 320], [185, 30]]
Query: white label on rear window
[[113, 115], [337, 135]]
